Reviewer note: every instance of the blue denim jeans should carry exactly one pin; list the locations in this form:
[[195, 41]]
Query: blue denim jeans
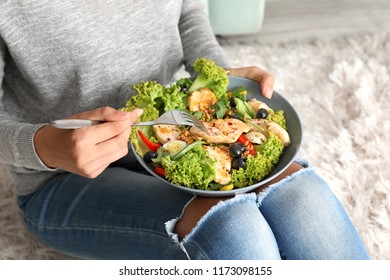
[[126, 214]]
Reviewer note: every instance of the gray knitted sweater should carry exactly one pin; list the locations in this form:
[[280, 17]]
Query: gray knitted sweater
[[61, 57]]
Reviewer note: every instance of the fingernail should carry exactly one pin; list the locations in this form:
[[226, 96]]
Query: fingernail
[[268, 92]]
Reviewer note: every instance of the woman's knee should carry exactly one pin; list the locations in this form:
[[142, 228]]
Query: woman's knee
[[199, 206], [293, 168], [232, 229]]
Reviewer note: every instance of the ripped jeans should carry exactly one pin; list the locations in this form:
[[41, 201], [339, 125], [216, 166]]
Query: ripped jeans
[[126, 214]]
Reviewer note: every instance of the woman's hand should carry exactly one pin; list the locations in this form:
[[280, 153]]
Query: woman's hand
[[265, 79], [87, 151]]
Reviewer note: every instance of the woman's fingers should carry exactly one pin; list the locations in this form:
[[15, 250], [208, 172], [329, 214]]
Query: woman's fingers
[[87, 151], [106, 152], [254, 73], [107, 114], [116, 122]]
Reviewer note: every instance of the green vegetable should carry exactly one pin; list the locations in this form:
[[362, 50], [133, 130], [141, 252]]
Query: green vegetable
[[174, 99], [147, 93], [211, 76], [214, 186], [160, 155], [258, 127], [188, 148], [154, 99], [260, 165], [244, 109], [198, 114], [150, 113], [150, 144], [193, 170], [184, 83], [240, 93], [220, 107], [136, 141], [278, 117]]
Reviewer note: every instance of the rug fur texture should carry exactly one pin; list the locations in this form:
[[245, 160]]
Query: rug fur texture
[[341, 90]]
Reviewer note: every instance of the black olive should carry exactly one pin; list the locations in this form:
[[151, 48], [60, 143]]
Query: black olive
[[238, 163], [232, 103], [262, 113], [183, 88], [236, 149], [148, 156]]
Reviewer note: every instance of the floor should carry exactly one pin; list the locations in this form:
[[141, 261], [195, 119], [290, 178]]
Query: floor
[[304, 19]]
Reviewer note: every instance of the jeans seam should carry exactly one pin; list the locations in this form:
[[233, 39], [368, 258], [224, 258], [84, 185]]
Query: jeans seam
[[194, 246], [83, 227]]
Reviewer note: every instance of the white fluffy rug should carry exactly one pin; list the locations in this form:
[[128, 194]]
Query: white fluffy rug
[[341, 89]]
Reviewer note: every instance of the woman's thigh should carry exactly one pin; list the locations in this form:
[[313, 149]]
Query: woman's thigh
[[308, 220], [121, 214]]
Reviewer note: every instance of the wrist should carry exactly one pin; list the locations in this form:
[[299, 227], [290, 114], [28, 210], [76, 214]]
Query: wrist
[[39, 147]]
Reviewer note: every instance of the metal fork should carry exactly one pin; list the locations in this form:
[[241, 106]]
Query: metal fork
[[174, 117]]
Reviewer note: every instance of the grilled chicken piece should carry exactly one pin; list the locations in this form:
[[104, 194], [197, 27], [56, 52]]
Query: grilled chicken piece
[[257, 105], [166, 132], [221, 131], [256, 137], [201, 100], [270, 126], [223, 165]]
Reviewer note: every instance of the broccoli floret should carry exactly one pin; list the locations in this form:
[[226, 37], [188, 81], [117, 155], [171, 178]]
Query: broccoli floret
[[211, 76]]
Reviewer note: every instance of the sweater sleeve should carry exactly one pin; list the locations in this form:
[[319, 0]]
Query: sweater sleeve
[[17, 139], [197, 37]]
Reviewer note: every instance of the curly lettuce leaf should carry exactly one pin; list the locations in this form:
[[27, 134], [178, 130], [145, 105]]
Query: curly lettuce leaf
[[278, 117], [154, 99], [260, 165], [211, 76], [193, 170], [174, 99]]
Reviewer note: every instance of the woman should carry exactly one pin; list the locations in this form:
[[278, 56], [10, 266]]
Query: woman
[[83, 193]]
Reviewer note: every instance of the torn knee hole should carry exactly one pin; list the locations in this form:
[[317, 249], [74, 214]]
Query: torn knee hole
[[193, 213]]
